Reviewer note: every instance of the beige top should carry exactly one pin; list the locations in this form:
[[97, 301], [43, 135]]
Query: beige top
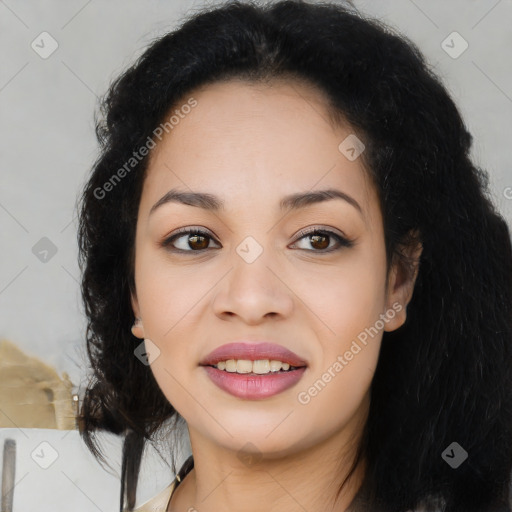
[[160, 502]]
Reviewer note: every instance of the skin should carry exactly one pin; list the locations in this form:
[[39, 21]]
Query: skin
[[251, 145]]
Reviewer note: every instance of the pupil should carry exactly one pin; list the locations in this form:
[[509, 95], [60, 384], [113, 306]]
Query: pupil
[[193, 239], [316, 237]]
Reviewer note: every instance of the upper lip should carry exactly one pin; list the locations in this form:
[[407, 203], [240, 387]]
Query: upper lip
[[252, 352]]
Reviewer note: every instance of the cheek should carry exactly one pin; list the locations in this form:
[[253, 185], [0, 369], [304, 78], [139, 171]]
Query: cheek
[[169, 293], [349, 305], [168, 297], [347, 297], [341, 375]]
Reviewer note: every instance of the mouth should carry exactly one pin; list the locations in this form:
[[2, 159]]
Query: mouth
[[253, 371]]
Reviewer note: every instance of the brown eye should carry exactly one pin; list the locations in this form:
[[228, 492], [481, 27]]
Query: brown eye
[[194, 240], [197, 240], [320, 240]]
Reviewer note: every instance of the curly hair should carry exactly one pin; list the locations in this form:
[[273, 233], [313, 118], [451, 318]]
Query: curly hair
[[445, 375]]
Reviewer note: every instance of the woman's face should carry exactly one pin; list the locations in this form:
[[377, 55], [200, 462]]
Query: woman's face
[[254, 277]]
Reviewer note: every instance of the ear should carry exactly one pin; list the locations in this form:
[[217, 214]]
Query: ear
[[137, 327], [401, 280]]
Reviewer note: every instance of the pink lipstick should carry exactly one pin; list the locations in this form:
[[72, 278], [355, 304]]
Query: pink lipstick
[[251, 385]]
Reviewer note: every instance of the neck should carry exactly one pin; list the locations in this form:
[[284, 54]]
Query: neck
[[306, 480]]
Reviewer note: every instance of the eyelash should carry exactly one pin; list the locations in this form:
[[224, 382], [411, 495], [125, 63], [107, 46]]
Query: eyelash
[[342, 241]]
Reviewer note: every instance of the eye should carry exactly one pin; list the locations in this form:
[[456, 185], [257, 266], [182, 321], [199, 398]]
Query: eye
[[197, 240], [194, 238], [319, 238]]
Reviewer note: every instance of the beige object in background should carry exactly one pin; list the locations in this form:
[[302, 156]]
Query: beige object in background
[[32, 395]]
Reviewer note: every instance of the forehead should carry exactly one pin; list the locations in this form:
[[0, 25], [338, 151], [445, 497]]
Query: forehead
[[244, 141]]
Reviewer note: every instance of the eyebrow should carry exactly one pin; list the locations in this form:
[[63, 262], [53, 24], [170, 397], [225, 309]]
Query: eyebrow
[[291, 202]]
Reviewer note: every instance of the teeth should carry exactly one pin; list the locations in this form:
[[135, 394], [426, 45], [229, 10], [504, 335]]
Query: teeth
[[275, 366], [243, 366], [260, 366], [231, 365]]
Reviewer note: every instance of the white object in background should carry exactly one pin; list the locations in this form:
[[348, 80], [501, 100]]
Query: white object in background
[[56, 472]]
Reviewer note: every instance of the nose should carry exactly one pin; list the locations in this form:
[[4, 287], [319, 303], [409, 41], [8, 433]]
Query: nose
[[254, 291]]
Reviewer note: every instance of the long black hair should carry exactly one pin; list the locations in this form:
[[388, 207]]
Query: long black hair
[[445, 376]]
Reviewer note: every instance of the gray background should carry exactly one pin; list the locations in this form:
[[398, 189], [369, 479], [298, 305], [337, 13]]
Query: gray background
[[47, 142]]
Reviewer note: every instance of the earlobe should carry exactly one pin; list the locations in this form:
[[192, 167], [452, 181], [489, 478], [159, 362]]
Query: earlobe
[[137, 328]]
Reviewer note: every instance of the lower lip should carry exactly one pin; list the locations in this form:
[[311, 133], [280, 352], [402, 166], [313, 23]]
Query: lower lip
[[254, 387]]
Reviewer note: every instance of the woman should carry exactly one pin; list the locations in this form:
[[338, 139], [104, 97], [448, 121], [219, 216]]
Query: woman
[[285, 243]]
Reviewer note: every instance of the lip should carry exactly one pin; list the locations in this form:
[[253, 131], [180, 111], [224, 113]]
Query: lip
[[254, 387], [252, 352]]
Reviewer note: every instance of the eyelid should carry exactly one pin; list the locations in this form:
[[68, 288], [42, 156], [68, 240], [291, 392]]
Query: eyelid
[[318, 228], [168, 239]]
